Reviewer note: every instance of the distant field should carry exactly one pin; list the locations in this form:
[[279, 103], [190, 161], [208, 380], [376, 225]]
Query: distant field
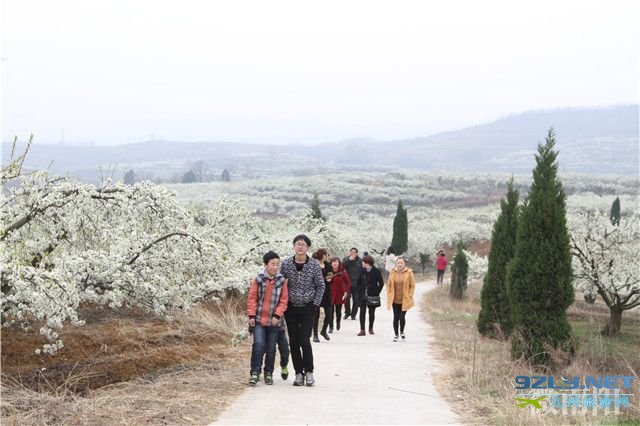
[[442, 207]]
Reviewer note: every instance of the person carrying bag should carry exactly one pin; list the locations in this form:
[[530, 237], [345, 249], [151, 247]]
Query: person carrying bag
[[369, 287]]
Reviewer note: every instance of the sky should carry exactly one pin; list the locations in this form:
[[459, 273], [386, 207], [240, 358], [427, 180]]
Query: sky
[[115, 72]]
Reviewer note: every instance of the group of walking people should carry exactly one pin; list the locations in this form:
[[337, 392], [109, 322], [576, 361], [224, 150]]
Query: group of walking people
[[286, 297]]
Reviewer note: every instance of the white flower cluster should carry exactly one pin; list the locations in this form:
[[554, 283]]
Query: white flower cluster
[[606, 257], [478, 265], [65, 243]]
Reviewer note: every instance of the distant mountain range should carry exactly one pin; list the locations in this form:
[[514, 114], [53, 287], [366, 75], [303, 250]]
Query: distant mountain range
[[593, 140]]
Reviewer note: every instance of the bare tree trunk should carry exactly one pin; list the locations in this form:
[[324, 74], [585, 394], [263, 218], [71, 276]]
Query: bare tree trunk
[[615, 321]]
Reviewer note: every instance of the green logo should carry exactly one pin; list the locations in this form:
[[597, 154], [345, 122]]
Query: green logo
[[523, 402]]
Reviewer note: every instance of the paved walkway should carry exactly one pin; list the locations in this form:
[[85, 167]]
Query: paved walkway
[[359, 380]]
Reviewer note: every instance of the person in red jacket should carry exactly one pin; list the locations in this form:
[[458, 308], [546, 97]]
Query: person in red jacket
[[441, 265], [340, 288], [266, 303]]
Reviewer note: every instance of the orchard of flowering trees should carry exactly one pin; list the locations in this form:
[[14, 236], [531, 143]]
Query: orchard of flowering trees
[[66, 243]]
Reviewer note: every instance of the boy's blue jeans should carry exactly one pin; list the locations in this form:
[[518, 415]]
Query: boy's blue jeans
[[264, 343]]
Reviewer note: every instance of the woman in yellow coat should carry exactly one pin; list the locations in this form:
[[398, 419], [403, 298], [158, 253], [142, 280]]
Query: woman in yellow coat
[[400, 290]]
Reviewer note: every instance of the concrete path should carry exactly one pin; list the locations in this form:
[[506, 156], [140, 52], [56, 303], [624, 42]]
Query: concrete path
[[359, 380]]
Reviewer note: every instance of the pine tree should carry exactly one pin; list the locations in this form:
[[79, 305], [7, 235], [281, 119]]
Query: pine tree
[[424, 259], [315, 208], [225, 176], [400, 239], [129, 178], [494, 319], [539, 277], [615, 212], [459, 273]]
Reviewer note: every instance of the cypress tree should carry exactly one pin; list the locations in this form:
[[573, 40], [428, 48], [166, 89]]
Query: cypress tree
[[400, 239], [539, 277], [315, 208], [459, 273], [494, 319], [615, 212]]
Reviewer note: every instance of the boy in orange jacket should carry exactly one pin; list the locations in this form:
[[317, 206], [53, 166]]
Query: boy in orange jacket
[[266, 303]]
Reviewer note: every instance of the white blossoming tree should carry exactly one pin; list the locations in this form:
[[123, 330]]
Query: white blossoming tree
[[65, 242], [606, 260]]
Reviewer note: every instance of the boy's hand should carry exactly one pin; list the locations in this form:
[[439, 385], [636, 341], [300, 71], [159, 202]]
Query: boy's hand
[[252, 322], [344, 296], [275, 322]]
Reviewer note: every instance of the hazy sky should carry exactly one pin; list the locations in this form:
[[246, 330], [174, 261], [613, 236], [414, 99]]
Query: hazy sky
[[294, 71]]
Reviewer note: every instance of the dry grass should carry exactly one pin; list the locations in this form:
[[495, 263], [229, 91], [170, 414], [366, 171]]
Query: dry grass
[[183, 372], [479, 382]]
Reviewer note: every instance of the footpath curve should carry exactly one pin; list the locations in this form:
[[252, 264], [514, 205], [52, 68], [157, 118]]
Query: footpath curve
[[359, 380]]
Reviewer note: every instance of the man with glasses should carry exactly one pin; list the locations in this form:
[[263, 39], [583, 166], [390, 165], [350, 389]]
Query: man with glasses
[[306, 287]]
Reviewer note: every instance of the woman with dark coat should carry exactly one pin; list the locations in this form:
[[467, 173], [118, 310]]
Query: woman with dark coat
[[340, 287], [321, 256], [370, 283]]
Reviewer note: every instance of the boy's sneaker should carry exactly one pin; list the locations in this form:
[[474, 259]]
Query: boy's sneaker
[[253, 379], [299, 380], [268, 378], [403, 336], [284, 373], [395, 338], [309, 379]]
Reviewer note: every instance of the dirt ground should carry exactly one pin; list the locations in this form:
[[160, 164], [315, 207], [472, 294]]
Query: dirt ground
[[110, 366]]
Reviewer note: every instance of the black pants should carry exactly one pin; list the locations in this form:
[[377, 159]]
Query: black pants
[[398, 317], [328, 314], [347, 306], [354, 306], [372, 315], [283, 348], [299, 323], [338, 310]]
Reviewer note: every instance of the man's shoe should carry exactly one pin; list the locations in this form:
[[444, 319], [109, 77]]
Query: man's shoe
[[253, 379], [330, 330], [315, 338], [371, 331], [353, 318], [362, 333], [395, 338], [309, 379], [403, 336], [346, 316], [338, 327], [325, 335], [284, 373], [268, 378], [299, 380]]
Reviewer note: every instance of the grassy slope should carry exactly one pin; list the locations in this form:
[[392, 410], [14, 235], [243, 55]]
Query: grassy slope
[[482, 391]]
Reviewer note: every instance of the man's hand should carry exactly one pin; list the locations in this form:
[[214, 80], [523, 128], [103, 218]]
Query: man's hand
[[252, 322], [344, 296], [275, 322]]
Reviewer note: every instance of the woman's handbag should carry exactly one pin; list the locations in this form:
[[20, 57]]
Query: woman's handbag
[[373, 301]]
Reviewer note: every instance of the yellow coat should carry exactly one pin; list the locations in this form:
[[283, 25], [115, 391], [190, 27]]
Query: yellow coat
[[408, 289]]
